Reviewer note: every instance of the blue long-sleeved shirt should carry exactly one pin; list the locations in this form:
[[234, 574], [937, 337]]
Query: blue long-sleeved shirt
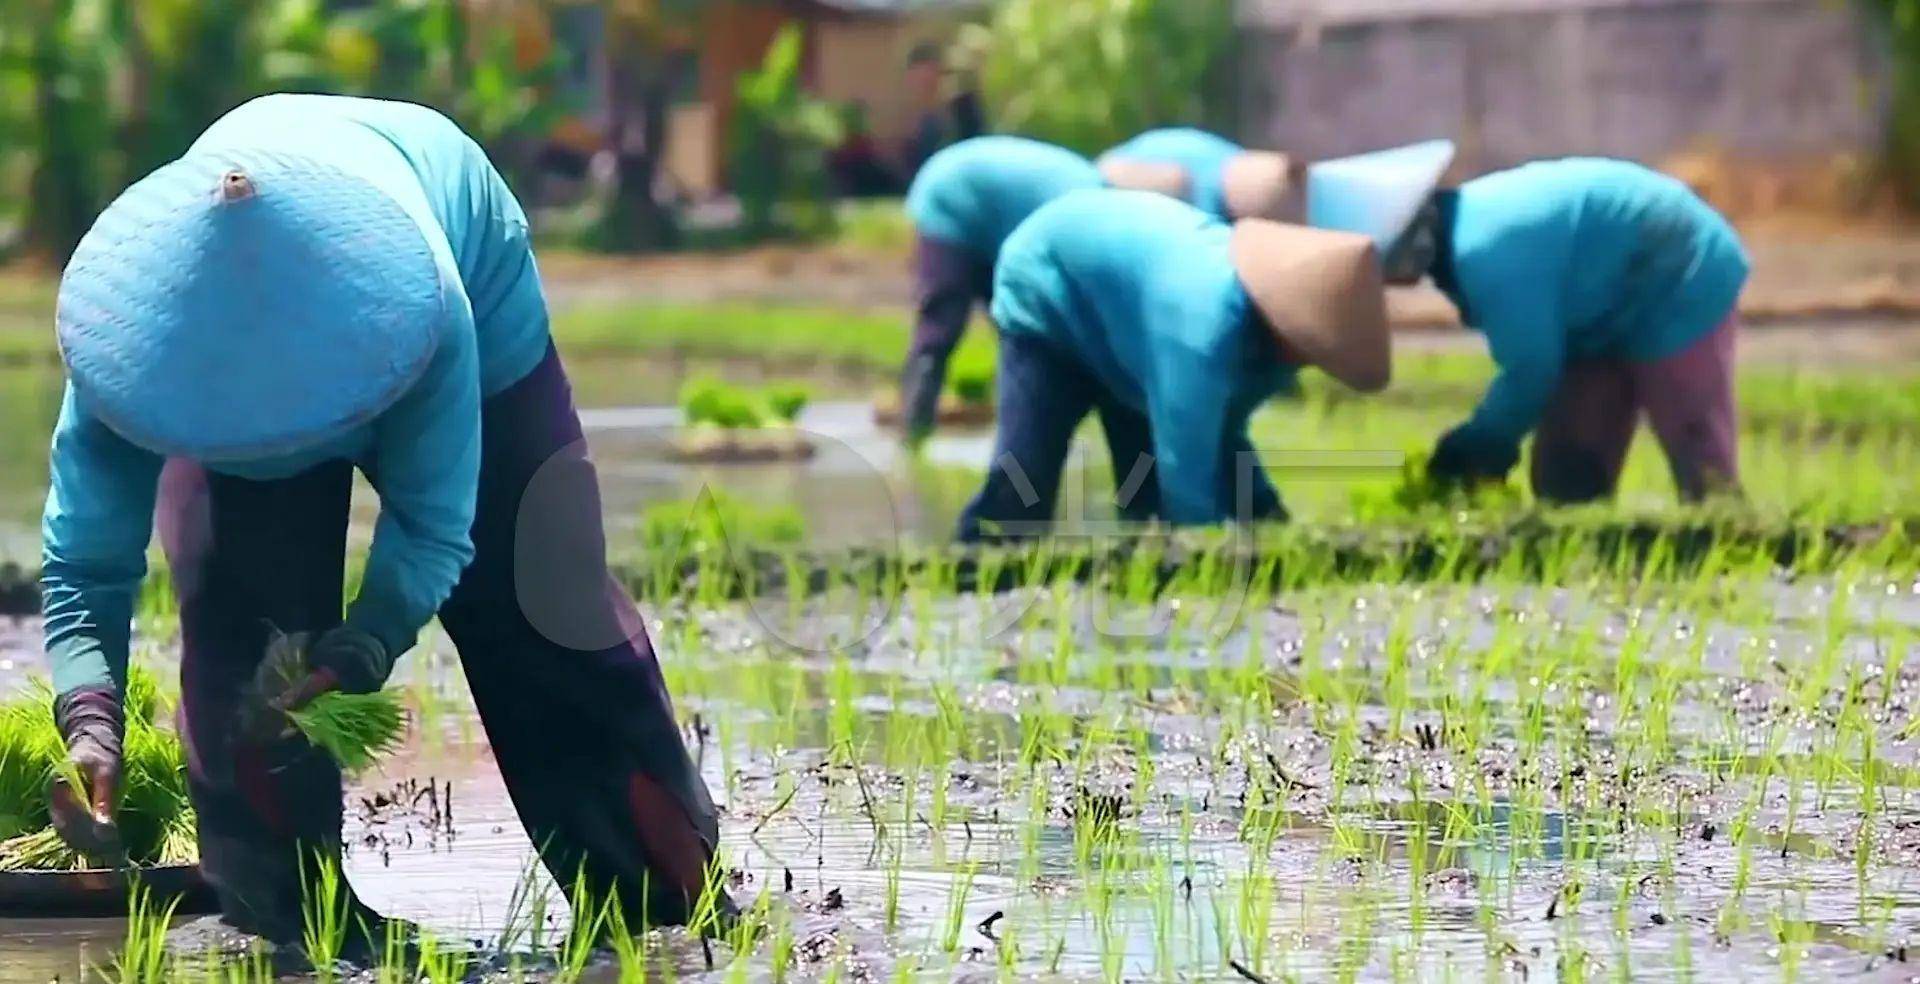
[[976, 192], [1583, 258], [422, 454], [1204, 156], [1140, 290]]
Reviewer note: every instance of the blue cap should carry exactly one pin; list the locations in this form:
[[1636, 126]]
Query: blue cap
[[1376, 194], [243, 304]]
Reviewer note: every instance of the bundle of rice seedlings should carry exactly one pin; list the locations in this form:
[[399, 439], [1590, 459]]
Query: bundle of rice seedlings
[[153, 793], [355, 730], [152, 807], [181, 842], [42, 850], [142, 700], [29, 748]]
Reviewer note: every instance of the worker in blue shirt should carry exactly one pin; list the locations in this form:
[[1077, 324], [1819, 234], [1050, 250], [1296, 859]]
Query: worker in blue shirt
[[322, 284], [964, 204], [1604, 290], [1174, 327], [1210, 172]]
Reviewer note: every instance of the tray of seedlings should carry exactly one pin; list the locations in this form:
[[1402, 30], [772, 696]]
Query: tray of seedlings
[[726, 424], [39, 873], [968, 401]]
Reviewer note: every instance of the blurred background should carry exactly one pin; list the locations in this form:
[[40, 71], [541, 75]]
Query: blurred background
[[716, 184], [633, 125]]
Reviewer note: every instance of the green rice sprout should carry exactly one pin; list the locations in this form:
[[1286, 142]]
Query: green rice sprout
[[143, 956], [355, 730]]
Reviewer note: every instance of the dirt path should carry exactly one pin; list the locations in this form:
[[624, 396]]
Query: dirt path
[[1873, 273]]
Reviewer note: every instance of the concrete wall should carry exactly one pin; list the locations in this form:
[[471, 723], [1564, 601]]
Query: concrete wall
[[1514, 80]]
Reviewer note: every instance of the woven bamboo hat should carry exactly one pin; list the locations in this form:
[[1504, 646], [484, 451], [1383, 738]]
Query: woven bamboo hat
[[238, 305], [1322, 294]]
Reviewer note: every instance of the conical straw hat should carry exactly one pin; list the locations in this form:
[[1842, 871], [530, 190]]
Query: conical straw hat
[[1261, 184], [1322, 295]]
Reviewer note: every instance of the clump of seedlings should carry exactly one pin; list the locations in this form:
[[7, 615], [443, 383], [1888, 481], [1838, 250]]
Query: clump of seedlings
[[967, 400], [727, 423], [153, 817], [355, 730]]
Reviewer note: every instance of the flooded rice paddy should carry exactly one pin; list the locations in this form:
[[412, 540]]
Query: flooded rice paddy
[[1701, 780], [1567, 767]]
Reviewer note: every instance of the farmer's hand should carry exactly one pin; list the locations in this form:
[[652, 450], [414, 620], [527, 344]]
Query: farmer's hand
[[90, 722], [920, 388], [344, 659], [1466, 456]]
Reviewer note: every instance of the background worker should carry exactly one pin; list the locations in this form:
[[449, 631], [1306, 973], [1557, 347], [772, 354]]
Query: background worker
[[323, 284], [1604, 290], [1210, 172], [1174, 327], [964, 204], [947, 108]]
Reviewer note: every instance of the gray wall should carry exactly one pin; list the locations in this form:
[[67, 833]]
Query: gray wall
[[1767, 78]]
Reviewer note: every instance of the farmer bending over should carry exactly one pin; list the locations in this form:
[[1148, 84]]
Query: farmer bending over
[[323, 284], [964, 204], [1175, 327], [1208, 171], [1604, 290]]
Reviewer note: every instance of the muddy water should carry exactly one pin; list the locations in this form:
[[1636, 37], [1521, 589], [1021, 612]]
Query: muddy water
[[858, 487], [1160, 833]]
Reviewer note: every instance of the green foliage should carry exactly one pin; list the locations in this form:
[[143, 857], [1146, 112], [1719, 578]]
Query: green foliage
[[1901, 19], [778, 144], [714, 519], [1090, 74], [714, 402], [154, 815], [96, 93], [786, 400], [1415, 493], [879, 225], [711, 402], [355, 730], [971, 375]]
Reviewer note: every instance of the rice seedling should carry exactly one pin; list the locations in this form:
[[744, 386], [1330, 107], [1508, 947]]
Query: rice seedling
[[143, 955], [355, 730], [324, 915]]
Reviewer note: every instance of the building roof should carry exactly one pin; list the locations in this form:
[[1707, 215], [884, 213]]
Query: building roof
[[1329, 13]]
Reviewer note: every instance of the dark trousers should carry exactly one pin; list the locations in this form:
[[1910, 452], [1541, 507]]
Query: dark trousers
[[559, 664], [1043, 397], [948, 280]]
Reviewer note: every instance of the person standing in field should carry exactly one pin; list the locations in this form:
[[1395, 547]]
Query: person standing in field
[[1604, 289], [1210, 172], [942, 117], [964, 204], [324, 284], [1174, 327]]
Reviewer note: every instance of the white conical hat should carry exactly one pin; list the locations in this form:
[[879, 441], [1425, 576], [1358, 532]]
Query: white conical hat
[[1377, 194]]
